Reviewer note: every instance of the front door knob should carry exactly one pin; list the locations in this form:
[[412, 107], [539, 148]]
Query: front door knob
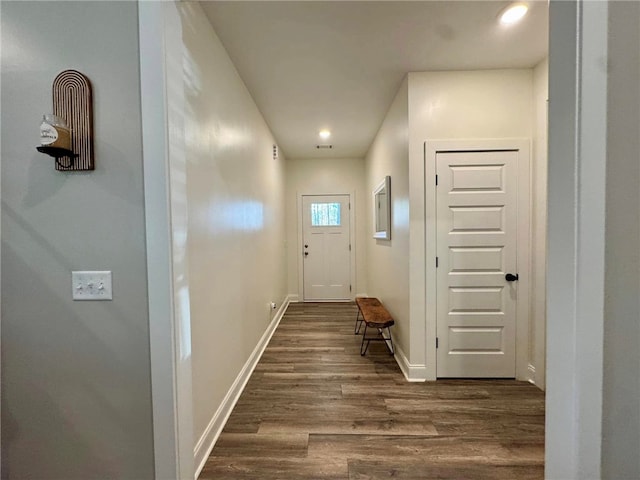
[[510, 277]]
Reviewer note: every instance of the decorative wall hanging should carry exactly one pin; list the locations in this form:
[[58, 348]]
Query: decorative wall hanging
[[67, 135]]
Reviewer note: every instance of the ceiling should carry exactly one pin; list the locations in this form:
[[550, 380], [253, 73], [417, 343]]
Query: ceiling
[[338, 64]]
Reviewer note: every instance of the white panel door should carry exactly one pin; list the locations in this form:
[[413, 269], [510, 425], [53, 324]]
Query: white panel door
[[326, 247], [476, 245]]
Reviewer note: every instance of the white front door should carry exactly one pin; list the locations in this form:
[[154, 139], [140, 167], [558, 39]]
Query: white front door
[[476, 248], [326, 248]]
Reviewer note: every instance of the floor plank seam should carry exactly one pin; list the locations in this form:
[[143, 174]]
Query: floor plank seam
[[315, 409]]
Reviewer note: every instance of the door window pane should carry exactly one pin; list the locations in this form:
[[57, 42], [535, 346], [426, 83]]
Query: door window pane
[[325, 214]]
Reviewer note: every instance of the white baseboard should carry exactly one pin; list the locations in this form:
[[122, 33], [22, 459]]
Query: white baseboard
[[205, 444], [295, 298], [412, 372]]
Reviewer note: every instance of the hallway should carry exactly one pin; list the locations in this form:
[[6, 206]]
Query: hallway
[[314, 408]]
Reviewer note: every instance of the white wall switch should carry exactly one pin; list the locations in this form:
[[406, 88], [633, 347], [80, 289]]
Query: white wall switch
[[91, 285]]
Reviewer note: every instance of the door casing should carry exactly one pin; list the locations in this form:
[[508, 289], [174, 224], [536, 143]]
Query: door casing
[[522, 145], [352, 236]]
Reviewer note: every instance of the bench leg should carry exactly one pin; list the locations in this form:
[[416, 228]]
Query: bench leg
[[359, 321], [388, 341], [363, 347]]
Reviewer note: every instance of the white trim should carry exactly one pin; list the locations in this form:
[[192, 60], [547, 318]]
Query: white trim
[[523, 314], [352, 239], [354, 243], [170, 340], [590, 260], [340, 300], [208, 439], [432, 147], [299, 248], [293, 298], [411, 372], [418, 348], [576, 247]]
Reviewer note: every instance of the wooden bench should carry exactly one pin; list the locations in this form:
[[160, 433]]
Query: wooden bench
[[373, 314]]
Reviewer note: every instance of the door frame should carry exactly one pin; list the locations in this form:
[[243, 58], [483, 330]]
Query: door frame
[[578, 97], [165, 214], [352, 239], [523, 255]]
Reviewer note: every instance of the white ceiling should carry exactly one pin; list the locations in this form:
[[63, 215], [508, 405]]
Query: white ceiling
[[338, 64]]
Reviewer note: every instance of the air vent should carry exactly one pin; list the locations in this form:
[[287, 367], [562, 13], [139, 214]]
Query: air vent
[[324, 146], [276, 153]]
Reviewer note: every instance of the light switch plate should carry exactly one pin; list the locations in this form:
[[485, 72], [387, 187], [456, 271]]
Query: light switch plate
[[88, 285]]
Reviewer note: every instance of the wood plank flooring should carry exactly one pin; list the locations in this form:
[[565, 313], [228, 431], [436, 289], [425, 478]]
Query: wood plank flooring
[[315, 409]]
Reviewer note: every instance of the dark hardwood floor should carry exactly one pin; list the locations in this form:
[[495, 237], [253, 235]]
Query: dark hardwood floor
[[315, 409]]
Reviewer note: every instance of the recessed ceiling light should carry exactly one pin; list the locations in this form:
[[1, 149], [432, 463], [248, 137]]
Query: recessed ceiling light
[[513, 13], [324, 134]]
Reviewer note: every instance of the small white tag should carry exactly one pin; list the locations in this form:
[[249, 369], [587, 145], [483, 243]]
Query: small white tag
[[48, 134]]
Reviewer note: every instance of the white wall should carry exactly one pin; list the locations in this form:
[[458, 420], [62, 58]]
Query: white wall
[[537, 334], [76, 387], [469, 104], [621, 377], [388, 260], [235, 204], [317, 177], [454, 105]]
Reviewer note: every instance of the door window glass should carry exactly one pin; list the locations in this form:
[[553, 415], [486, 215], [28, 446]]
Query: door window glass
[[325, 214]]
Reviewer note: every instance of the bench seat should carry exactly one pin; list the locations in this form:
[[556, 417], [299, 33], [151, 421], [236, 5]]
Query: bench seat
[[374, 315]]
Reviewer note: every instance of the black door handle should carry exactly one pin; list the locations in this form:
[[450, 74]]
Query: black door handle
[[510, 277], [306, 253]]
